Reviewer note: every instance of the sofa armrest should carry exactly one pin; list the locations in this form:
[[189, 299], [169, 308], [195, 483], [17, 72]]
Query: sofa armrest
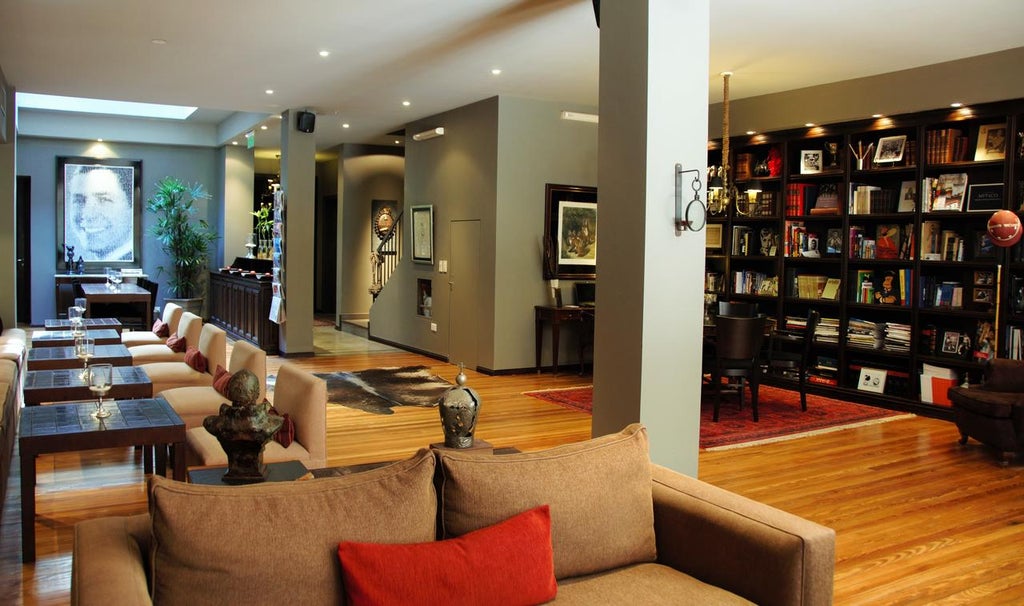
[[754, 550], [109, 561]]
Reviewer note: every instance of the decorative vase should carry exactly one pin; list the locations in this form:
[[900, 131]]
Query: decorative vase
[[459, 407], [243, 428]]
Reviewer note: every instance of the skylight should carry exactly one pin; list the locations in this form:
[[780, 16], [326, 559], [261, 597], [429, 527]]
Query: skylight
[[102, 106]]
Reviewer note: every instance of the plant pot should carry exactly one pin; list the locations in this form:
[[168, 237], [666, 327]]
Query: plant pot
[[194, 305]]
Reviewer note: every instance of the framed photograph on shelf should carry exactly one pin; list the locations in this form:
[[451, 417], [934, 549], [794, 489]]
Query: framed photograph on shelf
[[984, 197], [423, 234], [908, 197], [984, 248], [99, 211], [810, 161], [713, 235], [984, 295], [991, 142], [951, 341], [872, 379], [984, 278], [890, 149], [570, 232]]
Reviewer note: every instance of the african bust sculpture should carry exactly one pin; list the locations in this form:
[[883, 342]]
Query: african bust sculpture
[[243, 428]]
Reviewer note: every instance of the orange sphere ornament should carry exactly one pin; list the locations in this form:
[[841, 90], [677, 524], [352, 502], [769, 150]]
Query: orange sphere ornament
[[1004, 227]]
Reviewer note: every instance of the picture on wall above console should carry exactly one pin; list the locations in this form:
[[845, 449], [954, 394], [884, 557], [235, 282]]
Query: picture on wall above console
[[99, 210], [890, 149], [570, 232], [991, 142]]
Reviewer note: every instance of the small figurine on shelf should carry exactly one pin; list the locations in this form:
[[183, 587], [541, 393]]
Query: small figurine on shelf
[[69, 258], [80, 266]]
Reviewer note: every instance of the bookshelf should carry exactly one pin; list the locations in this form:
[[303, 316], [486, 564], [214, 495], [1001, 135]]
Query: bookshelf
[[880, 225]]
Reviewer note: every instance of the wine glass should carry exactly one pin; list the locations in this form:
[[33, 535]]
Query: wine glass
[[115, 277], [109, 273], [101, 378], [82, 303], [75, 319], [85, 348]]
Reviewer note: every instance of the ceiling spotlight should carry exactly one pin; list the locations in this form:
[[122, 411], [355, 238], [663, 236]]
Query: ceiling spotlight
[[345, 124], [579, 116], [269, 91], [429, 134], [406, 103], [956, 104], [100, 140], [234, 143], [324, 53], [496, 71], [397, 142], [751, 132], [158, 41], [809, 124], [263, 127], [876, 115]]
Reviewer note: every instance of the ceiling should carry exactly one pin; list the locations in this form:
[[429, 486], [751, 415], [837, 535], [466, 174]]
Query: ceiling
[[223, 55]]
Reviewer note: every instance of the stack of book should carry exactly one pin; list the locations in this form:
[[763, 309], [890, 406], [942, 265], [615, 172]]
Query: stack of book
[[748, 282], [897, 337], [799, 242], [809, 286], [827, 330], [800, 199], [713, 281], [945, 145], [862, 333], [947, 294], [825, 371]]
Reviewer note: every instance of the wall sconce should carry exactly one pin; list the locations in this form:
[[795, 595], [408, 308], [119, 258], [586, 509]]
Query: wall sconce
[[695, 217], [746, 204], [429, 134]]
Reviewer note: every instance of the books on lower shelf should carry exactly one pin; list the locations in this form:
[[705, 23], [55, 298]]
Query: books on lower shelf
[[935, 382], [944, 193], [864, 333], [750, 282], [827, 330], [935, 293]]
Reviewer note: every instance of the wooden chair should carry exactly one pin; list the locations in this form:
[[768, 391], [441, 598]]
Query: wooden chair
[[791, 350], [738, 344], [737, 309]]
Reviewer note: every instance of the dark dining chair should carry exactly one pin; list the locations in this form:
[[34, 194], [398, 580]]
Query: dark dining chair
[[737, 309], [738, 343], [791, 351]]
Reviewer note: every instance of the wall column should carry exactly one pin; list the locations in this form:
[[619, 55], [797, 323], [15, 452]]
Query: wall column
[[239, 171], [653, 105], [8, 216], [298, 179]]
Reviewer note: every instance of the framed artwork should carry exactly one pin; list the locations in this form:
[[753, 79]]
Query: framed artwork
[[890, 149], [991, 142], [984, 197], [984, 248], [872, 379], [984, 295], [423, 234], [984, 278], [713, 236], [908, 197], [570, 232], [99, 211], [951, 343], [810, 161]]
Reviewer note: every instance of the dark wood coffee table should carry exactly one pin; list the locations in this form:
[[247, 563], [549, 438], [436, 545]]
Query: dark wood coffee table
[[88, 323], [54, 358], [285, 471], [65, 338], [69, 427], [66, 385]]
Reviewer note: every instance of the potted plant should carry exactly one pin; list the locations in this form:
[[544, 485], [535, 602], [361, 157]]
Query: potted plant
[[183, 238]]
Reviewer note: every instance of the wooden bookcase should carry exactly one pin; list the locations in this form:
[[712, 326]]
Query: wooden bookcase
[[871, 226]]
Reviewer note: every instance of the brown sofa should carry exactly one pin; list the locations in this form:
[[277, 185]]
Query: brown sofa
[[12, 356], [993, 413], [622, 531]]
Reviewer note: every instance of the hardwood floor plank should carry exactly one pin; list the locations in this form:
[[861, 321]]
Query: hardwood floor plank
[[919, 518]]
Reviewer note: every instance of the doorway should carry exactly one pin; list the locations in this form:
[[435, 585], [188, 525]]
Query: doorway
[[23, 247], [464, 288]]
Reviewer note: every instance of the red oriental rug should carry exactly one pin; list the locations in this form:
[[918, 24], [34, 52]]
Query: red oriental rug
[[778, 409]]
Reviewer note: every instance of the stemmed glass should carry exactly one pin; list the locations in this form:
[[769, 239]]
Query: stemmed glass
[[81, 303], [85, 348], [75, 319], [100, 380], [115, 277]]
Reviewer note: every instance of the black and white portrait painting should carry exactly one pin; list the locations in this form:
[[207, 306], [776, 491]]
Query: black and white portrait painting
[[100, 209]]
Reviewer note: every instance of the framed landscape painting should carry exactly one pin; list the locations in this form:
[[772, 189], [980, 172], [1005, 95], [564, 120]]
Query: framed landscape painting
[[570, 232]]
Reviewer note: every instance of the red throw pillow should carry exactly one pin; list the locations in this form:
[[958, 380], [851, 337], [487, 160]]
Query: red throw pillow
[[161, 329], [176, 343], [508, 563], [195, 359], [221, 378], [286, 435]]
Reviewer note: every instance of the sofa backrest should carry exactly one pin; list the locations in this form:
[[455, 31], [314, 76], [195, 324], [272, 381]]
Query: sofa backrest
[[213, 344], [246, 355], [304, 397], [189, 327], [172, 316]]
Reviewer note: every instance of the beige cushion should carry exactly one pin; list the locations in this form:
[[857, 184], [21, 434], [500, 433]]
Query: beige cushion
[[602, 513], [270, 543], [169, 375], [149, 354], [205, 449], [643, 584], [194, 403]]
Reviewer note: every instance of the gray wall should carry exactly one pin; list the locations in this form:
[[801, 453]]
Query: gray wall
[[368, 173], [37, 158], [490, 166]]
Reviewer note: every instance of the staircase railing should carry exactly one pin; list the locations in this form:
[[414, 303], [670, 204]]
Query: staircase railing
[[384, 259]]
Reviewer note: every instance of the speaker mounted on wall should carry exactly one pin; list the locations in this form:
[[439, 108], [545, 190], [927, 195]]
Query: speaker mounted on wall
[[305, 121]]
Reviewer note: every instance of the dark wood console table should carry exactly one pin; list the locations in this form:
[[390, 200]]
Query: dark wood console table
[[556, 316], [240, 304]]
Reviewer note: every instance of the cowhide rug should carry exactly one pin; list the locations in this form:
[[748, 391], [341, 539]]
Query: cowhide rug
[[378, 390]]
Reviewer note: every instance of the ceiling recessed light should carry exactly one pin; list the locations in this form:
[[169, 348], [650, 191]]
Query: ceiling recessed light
[[496, 71], [264, 127], [269, 91], [809, 124], [324, 53], [100, 140], [234, 143], [956, 104], [406, 103], [397, 142], [159, 41], [876, 115], [345, 124], [751, 132]]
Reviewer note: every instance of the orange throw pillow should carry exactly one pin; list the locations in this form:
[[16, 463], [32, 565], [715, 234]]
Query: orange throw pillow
[[176, 343], [221, 378], [195, 359], [161, 329], [510, 563]]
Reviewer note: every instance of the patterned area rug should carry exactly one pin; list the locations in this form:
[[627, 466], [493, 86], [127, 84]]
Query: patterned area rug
[[778, 410], [378, 390]]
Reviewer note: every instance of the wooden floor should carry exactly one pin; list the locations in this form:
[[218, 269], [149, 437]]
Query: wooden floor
[[920, 520]]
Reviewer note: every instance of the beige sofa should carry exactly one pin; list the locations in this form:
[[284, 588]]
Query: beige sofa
[[622, 531], [189, 327], [212, 344], [12, 357], [171, 317]]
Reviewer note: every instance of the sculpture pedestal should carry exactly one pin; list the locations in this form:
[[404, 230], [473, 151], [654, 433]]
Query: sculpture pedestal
[[479, 446]]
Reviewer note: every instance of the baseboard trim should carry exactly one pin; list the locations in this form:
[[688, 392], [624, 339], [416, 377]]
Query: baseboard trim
[[408, 348]]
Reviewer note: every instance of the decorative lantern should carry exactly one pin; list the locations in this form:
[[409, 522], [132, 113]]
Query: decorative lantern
[[459, 407], [1004, 227]]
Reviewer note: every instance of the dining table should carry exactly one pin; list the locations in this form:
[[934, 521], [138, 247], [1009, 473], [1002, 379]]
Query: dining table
[[132, 294]]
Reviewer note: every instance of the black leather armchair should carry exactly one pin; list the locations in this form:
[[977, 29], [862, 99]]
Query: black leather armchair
[[993, 413]]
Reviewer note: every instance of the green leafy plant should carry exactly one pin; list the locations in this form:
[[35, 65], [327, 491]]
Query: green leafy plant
[[264, 221], [184, 239]]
